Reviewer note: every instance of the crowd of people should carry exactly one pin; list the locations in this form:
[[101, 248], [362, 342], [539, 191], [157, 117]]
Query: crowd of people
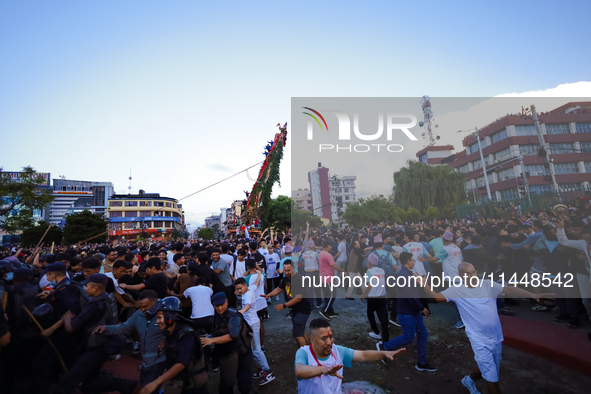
[[194, 308]]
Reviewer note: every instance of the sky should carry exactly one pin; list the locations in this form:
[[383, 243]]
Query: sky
[[187, 93]]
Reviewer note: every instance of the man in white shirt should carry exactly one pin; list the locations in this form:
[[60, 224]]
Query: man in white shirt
[[273, 278], [202, 308], [476, 300], [451, 257]]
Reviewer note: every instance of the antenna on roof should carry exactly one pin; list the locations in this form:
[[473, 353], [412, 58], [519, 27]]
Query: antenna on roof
[[129, 188]]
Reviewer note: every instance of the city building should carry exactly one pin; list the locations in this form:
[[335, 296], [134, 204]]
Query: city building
[[213, 219], [566, 130], [302, 199], [72, 196], [434, 154], [146, 214], [329, 193]]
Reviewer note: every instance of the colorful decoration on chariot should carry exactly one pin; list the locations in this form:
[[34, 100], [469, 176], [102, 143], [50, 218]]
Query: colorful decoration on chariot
[[268, 176]]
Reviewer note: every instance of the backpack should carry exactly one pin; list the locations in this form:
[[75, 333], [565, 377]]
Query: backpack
[[384, 263]]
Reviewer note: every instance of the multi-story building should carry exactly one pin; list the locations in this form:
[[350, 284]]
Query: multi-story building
[[566, 130], [213, 219], [302, 199], [146, 214], [434, 154], [72, 196], [330, 191]]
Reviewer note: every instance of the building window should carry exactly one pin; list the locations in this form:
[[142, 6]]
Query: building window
[[168, 205], [588, 166], [569, 186], [145, 203], [501, 135], [556, 149], [469, 185], [131, 214], [145, 213], [528, 150], [585, 146], [478, 163], [346, 197], [130, 225], [167, 224], [157, 224], [526, 129], [557, 128], [583, 127], [167, 214], [474, 147], [424, 158], [158, 204], [346, 190], [504, 154], [509, 173], [541, 189], [536, 170], [115, 214], [509, 194], [464, 169], [115, 203], [98, 196], [131, 203], [566, 168]]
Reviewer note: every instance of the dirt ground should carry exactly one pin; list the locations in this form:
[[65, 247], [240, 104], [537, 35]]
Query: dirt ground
[[447, 348]]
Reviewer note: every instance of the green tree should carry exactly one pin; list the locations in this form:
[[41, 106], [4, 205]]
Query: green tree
[[431, 213], [205, 233], [20, 198], [412, 215], [299, 219], [450, 211], [371, 210], [278, 213], [176, 234], [32, 235], [83, 225], [422, 186]]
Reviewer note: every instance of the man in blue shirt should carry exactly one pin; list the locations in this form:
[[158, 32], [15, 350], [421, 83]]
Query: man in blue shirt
[[532, 238], [409, 315]]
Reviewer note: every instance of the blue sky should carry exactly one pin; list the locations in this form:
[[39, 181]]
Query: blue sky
[[186, 93]]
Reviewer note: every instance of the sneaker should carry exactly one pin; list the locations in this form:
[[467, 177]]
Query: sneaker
[[216, 369], [459, 325], [469, 384], [506, 312], [539, 308], [115, 357], [333, 314], [374, 335], [267, 377], [136, 348], [425, 367], [324, 315], [380, 348], [561, 318], [573, 323], [276, 298], [394, 322], [258, 373], [288, 316]]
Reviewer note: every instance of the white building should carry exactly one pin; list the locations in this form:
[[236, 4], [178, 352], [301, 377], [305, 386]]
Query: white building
[[302, 199]]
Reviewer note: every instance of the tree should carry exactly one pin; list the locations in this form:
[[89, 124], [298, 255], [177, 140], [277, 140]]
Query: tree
[[412, 215], [176, 234], [299, 219], [205, 233], [450, 212], [431, 213], [83, 225], [32, 235], [277, 213], [20, 198], [422, 186], [372, 210]]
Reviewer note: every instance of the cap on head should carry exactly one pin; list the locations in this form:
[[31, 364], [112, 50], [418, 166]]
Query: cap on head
[[219, 299], [56, 267], [448, 236], [377, 238], [288, 248], [373, 259], [98, 278], [311, 244]]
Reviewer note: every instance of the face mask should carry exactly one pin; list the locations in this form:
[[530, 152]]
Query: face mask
[[9, 276], [53, 283]]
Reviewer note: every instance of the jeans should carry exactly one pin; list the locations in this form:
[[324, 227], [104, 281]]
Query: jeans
[[257, 353], [378, 305], [411, 325], [151, 373]]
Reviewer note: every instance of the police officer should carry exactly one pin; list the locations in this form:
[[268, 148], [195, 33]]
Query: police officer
[[64, 297], [232, 346], [186, 372], [97, 348], [26, 338]]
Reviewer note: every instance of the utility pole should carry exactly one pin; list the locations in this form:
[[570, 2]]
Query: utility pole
[[546, 151], [483, 163], [524, 176]]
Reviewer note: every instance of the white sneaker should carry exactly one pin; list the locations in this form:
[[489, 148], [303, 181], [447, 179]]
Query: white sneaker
[[374, 335], [394, 322], [469, 384], [276, 299]]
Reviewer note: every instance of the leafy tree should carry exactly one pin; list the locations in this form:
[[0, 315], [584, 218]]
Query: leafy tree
[[431, 213], [277, 213], [83, 225], [299, 219], [32, 235], [372, 210], [450, 211], [205, 233], [176, 234], [18, 200], [412, 215], [422, 186]]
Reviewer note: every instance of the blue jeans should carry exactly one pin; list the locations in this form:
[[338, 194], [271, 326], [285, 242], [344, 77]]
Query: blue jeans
[[411, 325]]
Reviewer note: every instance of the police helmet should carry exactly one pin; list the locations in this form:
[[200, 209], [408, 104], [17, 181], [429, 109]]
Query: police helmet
[[170, 304], [5, 267], [43, 314]]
